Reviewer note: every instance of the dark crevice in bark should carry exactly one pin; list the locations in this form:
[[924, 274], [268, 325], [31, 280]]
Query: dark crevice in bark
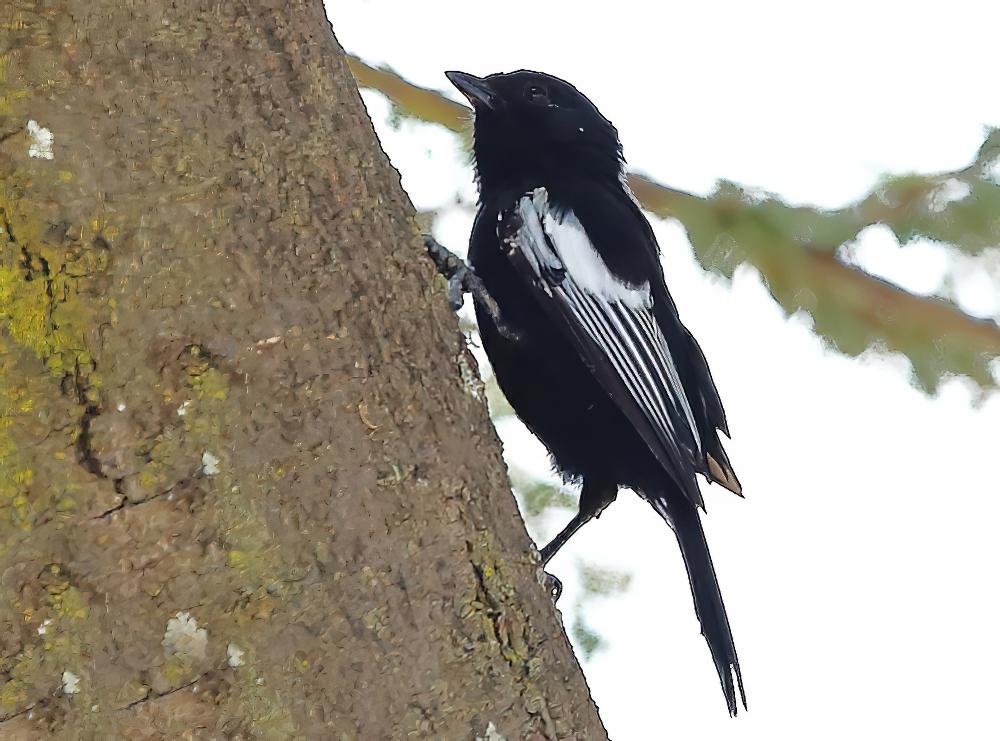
[[85, 454], [29, 274], [8, 134], [153, 696], [17, 714], [8, 228], [127, 503], [84, 442]]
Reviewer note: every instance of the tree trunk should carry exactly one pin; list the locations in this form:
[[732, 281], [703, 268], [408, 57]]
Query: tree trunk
[[248, 484]]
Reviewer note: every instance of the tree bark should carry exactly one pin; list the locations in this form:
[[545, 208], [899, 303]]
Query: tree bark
[[249, 486]]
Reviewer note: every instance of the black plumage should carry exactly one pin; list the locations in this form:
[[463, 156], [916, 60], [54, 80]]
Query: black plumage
[[598, 365]]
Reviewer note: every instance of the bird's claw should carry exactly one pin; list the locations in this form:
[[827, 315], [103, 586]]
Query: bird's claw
[[456, 291], [553, 584], [463, 279]]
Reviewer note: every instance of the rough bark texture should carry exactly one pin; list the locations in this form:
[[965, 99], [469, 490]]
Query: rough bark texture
[[247, 488]]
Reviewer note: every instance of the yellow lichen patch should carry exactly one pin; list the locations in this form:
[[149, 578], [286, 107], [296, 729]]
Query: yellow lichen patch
[[20, 221], [210, 384], [26, 308], [237, 559], [15, 475], [176, 669], [13, 692], [35, 319], [251, 549], [66, 504], [33, 483], [152, 476], [8, 99], [158, 473], [43, 275], [103, 228], [66, 601]]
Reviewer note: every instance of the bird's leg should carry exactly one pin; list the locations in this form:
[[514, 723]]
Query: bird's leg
[[550, 549], [593, 499], [552, 581], [463, 279]]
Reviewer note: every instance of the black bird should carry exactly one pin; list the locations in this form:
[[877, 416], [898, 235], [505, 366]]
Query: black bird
[[590, 351]]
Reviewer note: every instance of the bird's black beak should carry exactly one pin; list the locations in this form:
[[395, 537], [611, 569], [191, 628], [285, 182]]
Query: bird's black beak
[[476, 89]]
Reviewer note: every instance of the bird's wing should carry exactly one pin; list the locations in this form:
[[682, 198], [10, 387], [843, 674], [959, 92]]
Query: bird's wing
[[613, 327]]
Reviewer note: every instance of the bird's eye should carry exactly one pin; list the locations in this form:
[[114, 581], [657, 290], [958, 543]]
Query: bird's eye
[[536, 94]]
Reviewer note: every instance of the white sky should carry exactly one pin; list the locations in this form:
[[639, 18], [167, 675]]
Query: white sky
[[860, 572]]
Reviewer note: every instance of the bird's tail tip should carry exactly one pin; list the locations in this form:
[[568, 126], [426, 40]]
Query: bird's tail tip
[[732, 681], [683, 517]]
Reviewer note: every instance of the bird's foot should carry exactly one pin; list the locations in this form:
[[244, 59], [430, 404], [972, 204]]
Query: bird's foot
[[553, 584], [463, 279]]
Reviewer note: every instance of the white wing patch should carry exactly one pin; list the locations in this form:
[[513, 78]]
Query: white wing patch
[[617, 317], [582, 261]]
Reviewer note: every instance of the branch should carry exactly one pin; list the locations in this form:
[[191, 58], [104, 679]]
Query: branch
[[794, 248], [415, 101]]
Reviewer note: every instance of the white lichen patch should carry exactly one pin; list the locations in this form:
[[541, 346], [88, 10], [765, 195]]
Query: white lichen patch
[[44, 627], [40, 141], [235, 654], [70, 683], [492, 734], [209, 464], [183, 409], [950, 191], [471, 381], [993, 170], [184, 638]]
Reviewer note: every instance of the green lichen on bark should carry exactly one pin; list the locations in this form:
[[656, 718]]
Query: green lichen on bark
[[48, 303], [44, 270], [15, 472]]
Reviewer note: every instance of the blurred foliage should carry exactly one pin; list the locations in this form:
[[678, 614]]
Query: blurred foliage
[[538, 497], [594, 583], [603, 581], [799, 252], [586, 638]]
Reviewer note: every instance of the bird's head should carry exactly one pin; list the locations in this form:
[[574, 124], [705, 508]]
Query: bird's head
[[531, 127]]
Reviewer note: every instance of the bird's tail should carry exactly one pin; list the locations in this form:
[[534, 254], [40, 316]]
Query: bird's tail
[[685, 521]]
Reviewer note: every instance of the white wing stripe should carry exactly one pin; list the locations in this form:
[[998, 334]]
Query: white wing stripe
[[595, 322], [653, 377], [659, 344], [634, 374]]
